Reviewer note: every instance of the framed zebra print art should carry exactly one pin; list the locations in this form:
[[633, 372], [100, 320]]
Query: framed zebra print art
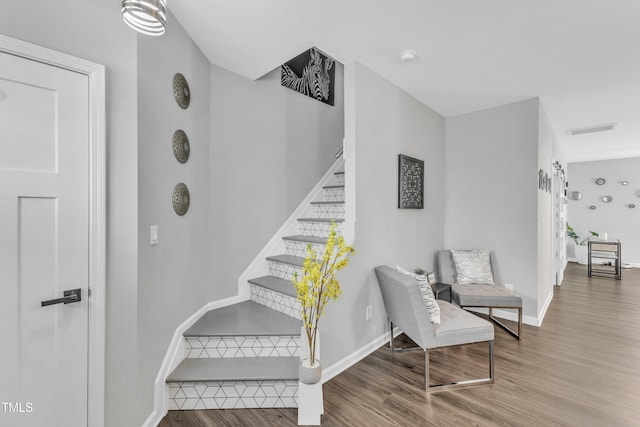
[[311, 73], [410, 183]]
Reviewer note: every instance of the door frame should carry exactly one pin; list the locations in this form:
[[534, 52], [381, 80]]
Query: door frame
[[97, 212]]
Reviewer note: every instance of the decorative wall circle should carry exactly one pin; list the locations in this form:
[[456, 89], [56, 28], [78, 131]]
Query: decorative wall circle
[[607, 199], [625, 183], [600, 181], [181, 199], [181, 146], [181, 91], [631, 206], [575, 195], [592, 207]]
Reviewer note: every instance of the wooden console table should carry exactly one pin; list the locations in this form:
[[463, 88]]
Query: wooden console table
[[608, 256]]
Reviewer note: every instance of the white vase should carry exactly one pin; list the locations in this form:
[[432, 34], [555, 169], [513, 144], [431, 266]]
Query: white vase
[[581, 254], [310, 373]]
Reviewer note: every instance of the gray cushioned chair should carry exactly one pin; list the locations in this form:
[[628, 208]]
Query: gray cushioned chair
[[405, 309], [479, 296]]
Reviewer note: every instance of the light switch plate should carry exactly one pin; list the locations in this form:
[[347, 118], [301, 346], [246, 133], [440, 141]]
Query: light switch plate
[[368, 313], [153, 235]]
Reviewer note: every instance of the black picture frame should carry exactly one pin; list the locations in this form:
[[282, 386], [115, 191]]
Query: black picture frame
[[410, 182]]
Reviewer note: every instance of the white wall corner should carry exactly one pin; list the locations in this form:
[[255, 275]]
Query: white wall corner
[[349, 151]]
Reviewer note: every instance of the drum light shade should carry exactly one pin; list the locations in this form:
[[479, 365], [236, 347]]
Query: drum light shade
[[145, 16]]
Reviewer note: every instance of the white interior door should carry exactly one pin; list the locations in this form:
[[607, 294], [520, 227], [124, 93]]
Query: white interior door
[[44, 243]]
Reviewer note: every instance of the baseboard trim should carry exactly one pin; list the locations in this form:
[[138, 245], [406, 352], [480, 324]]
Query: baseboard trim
[[173, 357], [353, 358], [545, 307]]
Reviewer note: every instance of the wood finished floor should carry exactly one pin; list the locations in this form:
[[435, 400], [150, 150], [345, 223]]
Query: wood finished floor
[[581, 368]]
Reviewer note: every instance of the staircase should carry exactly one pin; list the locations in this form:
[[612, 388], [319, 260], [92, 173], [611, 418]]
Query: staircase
[[246, 355]]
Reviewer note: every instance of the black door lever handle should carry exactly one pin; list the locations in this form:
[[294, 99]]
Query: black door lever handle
[[70, 296]]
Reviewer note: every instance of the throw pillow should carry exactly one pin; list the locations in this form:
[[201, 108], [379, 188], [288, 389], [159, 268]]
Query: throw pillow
[[473, 267], [429, 300]]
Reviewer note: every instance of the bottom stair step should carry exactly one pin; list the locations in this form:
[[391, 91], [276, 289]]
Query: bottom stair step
[[237, 368], [186, 396], [234, 383]]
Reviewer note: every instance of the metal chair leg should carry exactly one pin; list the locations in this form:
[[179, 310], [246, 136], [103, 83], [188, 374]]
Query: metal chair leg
[[457, 384], [427, 364], [401, 349], [503, 326]]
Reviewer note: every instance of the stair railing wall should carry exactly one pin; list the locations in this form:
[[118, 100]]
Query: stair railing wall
[[258, 267]]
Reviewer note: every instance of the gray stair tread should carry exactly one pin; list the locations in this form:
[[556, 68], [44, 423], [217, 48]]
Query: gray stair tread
[[321, 219], [328, 187], [276, 284], [306, 239], [245, 318], [236, 369], [323, 202], [287, 259], [339, 173]]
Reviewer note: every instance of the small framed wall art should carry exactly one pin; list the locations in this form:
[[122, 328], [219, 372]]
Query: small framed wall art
[[431, 278], [410, 182]]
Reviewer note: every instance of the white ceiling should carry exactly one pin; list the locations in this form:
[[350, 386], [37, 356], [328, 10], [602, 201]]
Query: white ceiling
[[580, 57]]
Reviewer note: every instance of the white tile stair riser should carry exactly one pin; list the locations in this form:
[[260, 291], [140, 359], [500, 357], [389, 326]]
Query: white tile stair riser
[[242, 346], [233, 394], [300, 248], [283, 271], [285, 304], [339, 179], [317, 229], [333, 194], [329, 211]]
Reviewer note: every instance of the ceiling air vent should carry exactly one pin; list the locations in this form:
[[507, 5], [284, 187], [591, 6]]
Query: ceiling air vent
[[591, 129]]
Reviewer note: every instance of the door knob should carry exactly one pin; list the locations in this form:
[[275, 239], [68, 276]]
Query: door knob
[[70, 296]]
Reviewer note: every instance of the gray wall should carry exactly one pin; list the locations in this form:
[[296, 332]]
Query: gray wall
[[491, 192], [614, 218], [173, 276], [269, 147], [93, 30], [386, 122]]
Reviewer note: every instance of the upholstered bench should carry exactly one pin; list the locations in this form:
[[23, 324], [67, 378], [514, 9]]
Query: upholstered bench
[[406, 309], [474, 295]]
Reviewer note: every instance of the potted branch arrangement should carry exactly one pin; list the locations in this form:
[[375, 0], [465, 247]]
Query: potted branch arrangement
[[581, 244], [317, 286]]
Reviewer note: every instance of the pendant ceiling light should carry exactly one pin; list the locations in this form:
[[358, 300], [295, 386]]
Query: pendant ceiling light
[[145, 16]]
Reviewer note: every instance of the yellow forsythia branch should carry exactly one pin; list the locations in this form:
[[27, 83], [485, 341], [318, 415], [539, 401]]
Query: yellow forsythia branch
[[318, 284]]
